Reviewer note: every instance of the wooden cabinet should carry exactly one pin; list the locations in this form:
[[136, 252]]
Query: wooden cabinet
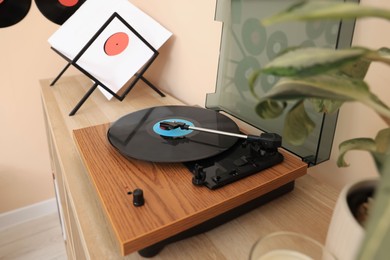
[[88, 230]]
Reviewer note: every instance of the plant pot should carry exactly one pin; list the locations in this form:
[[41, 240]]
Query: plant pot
[[345, 234]]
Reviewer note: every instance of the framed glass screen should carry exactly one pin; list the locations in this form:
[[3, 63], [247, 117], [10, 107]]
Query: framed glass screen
[[246, 45]]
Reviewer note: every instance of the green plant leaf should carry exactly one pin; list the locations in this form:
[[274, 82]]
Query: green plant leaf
[[381, 55], [378, 148], [252, 81], [357, 69], [330, 86], [300, 62], [325, 86], [297, 125], [270, 109], [319, 10], [363, 144], [384, 51], [382, 140], [327, 92], [326, 105]]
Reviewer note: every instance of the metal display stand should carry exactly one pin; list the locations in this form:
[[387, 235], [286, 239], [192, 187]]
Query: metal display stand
[[137, 76]]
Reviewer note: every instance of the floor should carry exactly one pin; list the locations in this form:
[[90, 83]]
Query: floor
[[39, 239]]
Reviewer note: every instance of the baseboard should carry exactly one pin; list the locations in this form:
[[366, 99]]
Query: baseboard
[[21, 215]]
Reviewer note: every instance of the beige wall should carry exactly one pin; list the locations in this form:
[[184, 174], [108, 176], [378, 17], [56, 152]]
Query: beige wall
[[189, 60], [25, 175], [186, 68]]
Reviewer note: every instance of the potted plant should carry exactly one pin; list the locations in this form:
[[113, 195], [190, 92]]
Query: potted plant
[[325, 79]]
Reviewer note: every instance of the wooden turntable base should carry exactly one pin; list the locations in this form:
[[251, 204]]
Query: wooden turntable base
[[173, 205]]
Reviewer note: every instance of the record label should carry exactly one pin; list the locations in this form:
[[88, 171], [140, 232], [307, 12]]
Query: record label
[[58, 11], [116, 43], [138, 135], [12, 12], [68, 3]]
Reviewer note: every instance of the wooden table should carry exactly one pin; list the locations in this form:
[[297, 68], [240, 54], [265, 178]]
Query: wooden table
[[89, 231]]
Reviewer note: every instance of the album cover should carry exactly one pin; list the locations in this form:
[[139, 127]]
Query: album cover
[[75, 33]]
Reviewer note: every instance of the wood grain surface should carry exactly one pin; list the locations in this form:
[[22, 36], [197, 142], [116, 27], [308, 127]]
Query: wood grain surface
[[173, 203]]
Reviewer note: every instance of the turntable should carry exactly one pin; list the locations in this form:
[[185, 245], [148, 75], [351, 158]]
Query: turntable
[[207, 142], [160, 185]]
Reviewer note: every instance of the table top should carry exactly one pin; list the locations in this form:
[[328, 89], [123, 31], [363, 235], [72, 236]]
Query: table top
[[307, 209]]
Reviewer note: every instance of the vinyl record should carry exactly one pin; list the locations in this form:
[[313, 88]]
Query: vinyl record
[[12, 11], [58, 11], [138, 135]]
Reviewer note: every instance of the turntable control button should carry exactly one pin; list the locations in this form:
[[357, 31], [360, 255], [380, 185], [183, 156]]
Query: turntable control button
[[138, 197]]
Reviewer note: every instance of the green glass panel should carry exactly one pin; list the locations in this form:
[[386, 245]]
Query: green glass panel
[[247, 45]]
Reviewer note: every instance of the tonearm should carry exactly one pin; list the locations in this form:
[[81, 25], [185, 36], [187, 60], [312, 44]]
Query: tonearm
[[267, 141]]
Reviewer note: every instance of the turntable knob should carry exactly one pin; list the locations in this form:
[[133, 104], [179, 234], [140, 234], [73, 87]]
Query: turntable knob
[[138, 197]]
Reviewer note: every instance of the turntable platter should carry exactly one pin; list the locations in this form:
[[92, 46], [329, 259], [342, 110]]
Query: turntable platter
[[138, 135]]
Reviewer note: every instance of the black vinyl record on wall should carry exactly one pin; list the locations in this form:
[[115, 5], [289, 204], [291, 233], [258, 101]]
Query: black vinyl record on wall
[[13, 11], [58, 11]]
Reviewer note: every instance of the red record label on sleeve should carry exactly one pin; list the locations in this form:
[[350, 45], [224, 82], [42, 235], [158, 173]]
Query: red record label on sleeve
[[116, 44]]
